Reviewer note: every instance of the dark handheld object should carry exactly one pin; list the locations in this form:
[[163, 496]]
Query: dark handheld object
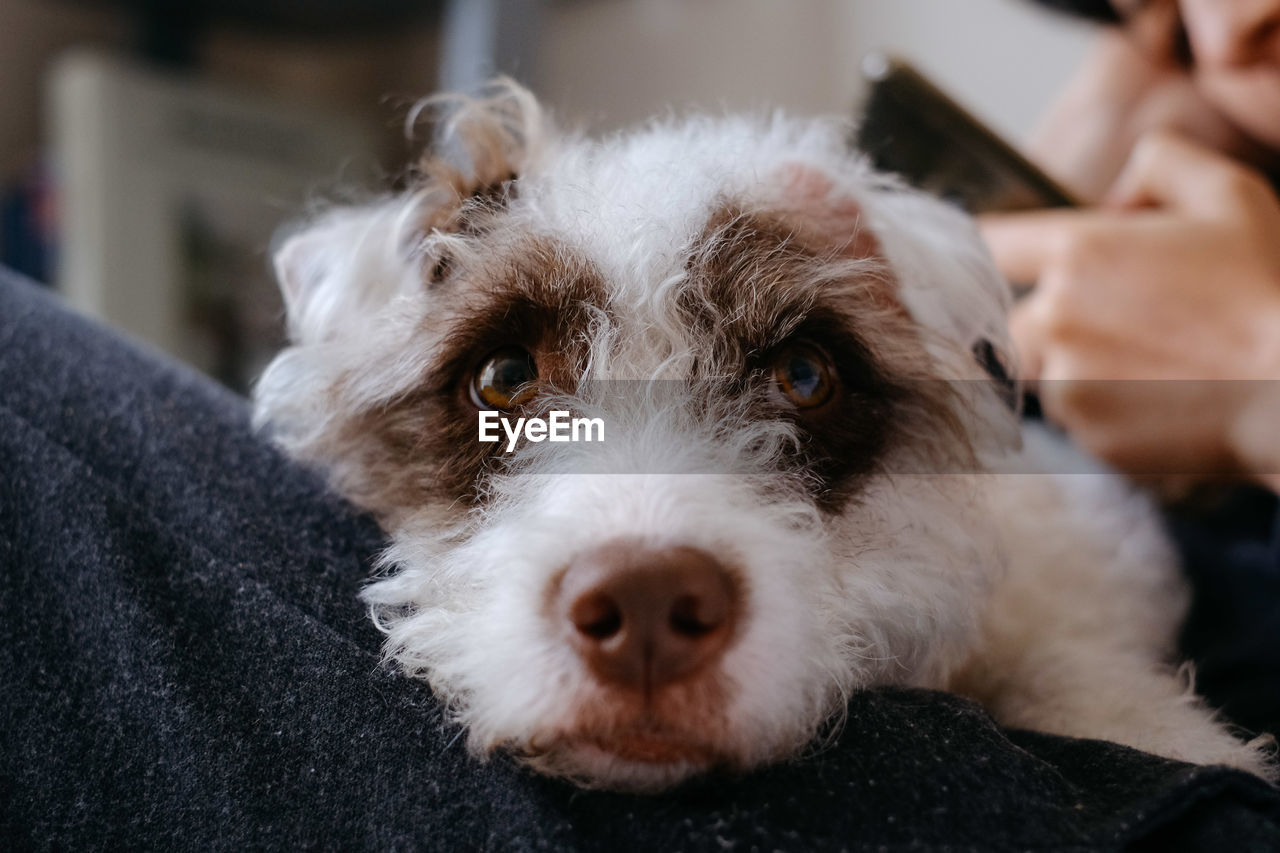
[[912, 128]]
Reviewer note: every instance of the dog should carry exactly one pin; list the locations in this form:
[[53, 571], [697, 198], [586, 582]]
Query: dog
[[806, 481]]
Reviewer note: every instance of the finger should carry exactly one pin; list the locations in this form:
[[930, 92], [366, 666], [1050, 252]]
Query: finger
[[1023, 244], [1167, 170], [1027, 329]]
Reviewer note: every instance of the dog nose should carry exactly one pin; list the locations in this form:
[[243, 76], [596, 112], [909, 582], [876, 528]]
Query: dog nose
[[642, 617]]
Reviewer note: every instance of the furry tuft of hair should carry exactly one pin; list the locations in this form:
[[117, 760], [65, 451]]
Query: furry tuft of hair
[[484, 144]]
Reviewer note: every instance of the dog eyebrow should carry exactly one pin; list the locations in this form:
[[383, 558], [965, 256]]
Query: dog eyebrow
[[420, 447], [532, 292], [755, 281], [739, 279], [753, 278]]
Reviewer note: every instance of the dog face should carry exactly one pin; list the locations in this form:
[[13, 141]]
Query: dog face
[[778, 344]]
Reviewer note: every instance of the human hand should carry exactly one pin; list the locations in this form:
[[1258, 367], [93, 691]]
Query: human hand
[[1177, 277], [1118, 95]]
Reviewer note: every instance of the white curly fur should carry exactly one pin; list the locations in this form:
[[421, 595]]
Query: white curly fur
[[1051, 598]]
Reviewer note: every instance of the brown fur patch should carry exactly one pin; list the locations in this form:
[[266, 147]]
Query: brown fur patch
[[757, 283], [422, 448]]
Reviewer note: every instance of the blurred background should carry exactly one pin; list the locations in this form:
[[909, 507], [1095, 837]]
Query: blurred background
[[149, 149]]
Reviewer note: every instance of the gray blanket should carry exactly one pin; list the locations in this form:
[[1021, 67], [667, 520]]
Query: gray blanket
[[184, 664]]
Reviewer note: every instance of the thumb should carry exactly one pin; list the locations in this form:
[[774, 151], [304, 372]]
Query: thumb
[[1027, 329], [1168, 170]]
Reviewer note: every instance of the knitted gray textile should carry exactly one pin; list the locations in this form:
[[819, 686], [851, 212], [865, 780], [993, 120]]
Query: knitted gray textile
[[184, 664]]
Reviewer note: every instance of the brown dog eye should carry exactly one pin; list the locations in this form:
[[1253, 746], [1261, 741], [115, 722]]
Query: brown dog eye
[[505, 379], [805, 375]]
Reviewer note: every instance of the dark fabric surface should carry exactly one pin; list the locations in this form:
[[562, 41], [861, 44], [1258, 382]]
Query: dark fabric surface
[[184, 665], [1232, 556]]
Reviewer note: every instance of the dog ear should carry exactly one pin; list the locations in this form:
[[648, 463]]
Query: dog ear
[[484, 145], [352, 260], [339, 267]]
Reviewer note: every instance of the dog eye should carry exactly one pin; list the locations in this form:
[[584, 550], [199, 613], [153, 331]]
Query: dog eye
[[505, 379], [805, 375]]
